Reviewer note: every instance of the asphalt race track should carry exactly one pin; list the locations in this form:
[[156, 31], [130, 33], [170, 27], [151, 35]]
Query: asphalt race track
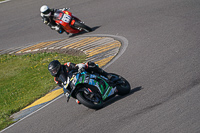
[[161, 63]]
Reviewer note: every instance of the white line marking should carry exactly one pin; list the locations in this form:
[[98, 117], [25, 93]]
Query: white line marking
[[32, 113], [4, 1]]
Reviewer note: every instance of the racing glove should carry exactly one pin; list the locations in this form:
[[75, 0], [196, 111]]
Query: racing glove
[[45, 20], [65, 9]]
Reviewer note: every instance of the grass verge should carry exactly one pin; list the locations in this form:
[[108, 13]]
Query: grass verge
[[25, 78]]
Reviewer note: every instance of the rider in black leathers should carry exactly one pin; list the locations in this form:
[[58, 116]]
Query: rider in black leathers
[[55, 68]]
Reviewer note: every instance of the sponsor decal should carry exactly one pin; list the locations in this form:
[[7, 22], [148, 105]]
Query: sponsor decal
[[86, 79], [80, 79], [74, 80], [93, 76], [112, 91]]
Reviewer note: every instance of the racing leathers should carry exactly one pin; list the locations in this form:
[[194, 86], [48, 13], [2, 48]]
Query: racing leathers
[[90, 67], [48, 20]]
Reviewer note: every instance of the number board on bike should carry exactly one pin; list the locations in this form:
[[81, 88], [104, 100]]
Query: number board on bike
[[66, 18]]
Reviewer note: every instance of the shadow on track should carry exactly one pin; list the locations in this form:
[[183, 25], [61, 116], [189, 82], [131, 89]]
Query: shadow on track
[[117, 98], [83, 32]]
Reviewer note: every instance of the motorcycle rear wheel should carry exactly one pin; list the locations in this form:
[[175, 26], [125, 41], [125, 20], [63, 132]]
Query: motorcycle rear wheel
[[85, 100], [82, 26]]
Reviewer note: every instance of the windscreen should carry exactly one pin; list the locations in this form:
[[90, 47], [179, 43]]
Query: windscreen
[[58, 15]]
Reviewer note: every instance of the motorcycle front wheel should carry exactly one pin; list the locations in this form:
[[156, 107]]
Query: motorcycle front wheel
[[90, 100], [123, 87], [82, 26]]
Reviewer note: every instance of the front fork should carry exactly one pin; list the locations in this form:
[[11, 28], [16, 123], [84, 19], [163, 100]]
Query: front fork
[[67, 93]]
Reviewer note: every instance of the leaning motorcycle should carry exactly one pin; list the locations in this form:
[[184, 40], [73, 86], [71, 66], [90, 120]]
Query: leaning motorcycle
[[70, 23], [92, 90]]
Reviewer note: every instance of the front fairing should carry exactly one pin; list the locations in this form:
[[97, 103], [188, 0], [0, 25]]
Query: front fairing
[[64, 18], [58, 15], [92, 79]]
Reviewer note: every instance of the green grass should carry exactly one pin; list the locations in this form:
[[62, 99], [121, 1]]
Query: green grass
[[25, 78]]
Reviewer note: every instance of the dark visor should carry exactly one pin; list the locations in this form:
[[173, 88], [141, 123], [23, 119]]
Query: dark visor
[[47, 11]]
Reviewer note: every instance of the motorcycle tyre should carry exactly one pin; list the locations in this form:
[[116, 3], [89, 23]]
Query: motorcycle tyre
[[123, 89], [83, 26], [87, 103]]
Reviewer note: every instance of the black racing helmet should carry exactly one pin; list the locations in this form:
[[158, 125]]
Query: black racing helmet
[[54, 67]]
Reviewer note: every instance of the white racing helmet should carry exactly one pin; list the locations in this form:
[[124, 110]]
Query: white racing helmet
[[45, 10]]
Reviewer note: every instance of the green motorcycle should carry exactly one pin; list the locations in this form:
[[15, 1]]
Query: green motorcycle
[[92, 90]]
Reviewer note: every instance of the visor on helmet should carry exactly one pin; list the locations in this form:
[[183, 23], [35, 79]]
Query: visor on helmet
[[54, 67], [55, 70], [47, 11]]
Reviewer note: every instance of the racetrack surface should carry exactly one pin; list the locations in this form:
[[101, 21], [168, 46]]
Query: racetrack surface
[[161, 63]]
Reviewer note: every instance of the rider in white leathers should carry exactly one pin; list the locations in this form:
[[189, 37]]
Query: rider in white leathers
[[47, 15]]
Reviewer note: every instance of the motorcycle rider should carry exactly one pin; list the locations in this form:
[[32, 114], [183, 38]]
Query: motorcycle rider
[[55, 68], [47, 15]]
